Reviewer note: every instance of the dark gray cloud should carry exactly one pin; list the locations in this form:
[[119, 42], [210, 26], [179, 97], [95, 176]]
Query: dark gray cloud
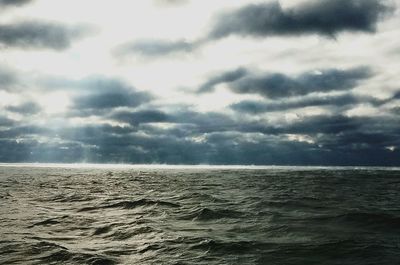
[[308, 125], [396, 110], [118, 144], [207, 137], [277, 85], [23, 131], [34, 151], [339, 140], [226, 77], [6, 122], [96, 95], [202, 121], [213, 138], [154, 47], [110, 100], [325, 17], [255, 107], [26, 108], [322, 124], [193, 122], [38, 35], [101, 94], [143, 116], [396, 95], [7, 3], [189, 123]]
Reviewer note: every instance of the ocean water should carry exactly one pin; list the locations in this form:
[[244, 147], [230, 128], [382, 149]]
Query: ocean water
[[199, 215]]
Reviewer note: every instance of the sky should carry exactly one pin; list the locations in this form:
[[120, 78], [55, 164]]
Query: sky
[[289, 82]]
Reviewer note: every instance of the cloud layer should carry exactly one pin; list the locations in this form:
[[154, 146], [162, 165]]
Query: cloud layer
[[291, 87]]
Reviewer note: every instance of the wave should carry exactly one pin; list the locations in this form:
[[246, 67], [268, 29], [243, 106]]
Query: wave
[[122, 233], [66, 257], [50, 221], [67, 198], [131, 205], [206, 214], [227, 247], [201, 197], [44, 252], [102, 230]]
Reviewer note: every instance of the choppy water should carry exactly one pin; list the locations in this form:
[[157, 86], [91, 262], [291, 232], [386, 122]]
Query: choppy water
[[199, 216]]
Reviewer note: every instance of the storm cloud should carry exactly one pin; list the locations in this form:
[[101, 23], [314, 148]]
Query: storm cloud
[[324, 17]]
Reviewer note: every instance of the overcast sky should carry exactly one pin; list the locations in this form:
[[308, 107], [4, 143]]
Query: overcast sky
[[293, 82]]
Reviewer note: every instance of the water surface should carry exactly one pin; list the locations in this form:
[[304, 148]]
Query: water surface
[[199, 215]]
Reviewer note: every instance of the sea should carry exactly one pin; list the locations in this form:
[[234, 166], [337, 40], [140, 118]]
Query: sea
[[158, 214]]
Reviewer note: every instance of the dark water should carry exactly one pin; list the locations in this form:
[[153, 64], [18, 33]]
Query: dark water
[[199, 216]]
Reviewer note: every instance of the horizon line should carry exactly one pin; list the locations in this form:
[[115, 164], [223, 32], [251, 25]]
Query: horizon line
[[186, 166]]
